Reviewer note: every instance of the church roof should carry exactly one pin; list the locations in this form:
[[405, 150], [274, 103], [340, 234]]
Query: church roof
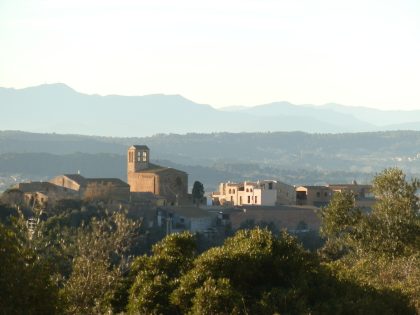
[[79, 179], [154, 168], [76, 178]]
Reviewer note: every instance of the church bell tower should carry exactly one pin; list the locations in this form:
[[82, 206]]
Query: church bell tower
[[137, 158]]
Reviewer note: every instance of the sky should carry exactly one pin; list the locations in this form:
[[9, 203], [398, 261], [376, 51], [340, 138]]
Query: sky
[[222, 53]]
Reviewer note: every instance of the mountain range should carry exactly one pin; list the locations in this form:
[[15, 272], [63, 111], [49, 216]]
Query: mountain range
[[57, 108]]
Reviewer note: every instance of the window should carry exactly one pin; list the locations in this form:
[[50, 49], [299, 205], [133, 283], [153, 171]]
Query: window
[[247, 190], [318, 194], [230, 191], [270, 186], [325, 194], [233, 191], [144, 156], [249, 199]]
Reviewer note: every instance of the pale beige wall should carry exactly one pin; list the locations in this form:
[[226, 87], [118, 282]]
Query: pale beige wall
[[143, 182], [65, 182]]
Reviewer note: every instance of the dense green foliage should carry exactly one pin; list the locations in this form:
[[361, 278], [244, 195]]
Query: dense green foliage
[[98, 266], [25, 283], [381, 248], [77, 259], [253, 272], [157, 275], [84, 259]]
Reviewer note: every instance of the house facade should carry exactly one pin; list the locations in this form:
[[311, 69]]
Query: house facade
[[321, 195], [313, 195], [260, 193]]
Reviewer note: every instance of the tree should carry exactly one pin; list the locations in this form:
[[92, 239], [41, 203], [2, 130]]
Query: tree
[[394, 226], [380, 248], [340, 224], [99, 264], [156, 276], [198, 192], [391, 229], [13, 197], [25, 282], [249, 266], [255, 272], [216, 297]]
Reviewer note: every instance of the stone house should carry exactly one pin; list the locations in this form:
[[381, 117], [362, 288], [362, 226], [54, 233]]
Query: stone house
[[321, 195], [105, 189], [313, 195], [44, 193]]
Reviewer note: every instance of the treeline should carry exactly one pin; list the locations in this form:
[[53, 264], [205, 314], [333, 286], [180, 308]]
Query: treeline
[[84, 259], [204, 149], [35, 166], [293, 157]]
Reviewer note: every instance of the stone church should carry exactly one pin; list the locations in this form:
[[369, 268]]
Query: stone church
[[145, 177]]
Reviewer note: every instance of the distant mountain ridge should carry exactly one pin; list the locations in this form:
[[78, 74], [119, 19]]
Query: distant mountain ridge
[[58, 108]]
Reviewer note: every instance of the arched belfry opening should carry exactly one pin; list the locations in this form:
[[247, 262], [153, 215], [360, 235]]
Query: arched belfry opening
[[138, 158]]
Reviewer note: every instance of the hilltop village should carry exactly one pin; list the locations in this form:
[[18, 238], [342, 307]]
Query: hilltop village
[[160, 196]]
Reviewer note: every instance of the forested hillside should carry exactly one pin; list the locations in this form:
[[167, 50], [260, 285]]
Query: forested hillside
[[294, 157]]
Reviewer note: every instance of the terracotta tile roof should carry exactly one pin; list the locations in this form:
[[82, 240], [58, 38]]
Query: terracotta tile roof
[[79, 179], [76, 178], [154, 168]]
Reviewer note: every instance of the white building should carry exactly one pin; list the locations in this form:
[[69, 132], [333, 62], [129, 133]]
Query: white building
[[261, 193]]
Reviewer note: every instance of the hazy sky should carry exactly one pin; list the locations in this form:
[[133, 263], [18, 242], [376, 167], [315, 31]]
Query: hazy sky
[[231, 52]]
